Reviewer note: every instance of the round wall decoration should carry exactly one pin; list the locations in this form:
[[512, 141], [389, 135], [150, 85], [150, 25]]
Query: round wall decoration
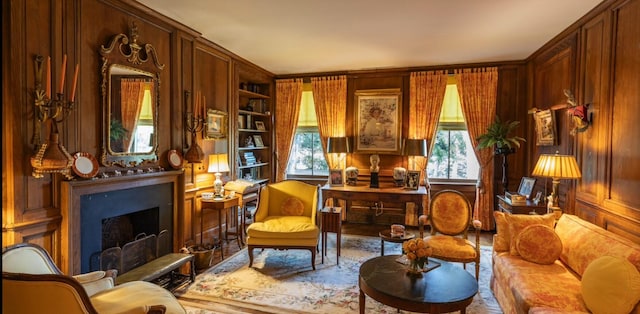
[[85, 165], [175, 159]]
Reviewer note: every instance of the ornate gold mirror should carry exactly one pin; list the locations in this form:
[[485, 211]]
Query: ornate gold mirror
[[130, 96]]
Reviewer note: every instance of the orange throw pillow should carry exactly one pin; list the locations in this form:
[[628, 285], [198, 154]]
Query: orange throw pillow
[[292, 207], [539, 244], [518, 222], [502, 240]]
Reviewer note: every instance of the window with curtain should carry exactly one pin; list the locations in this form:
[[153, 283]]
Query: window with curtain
[[307, 157], [452, 156]]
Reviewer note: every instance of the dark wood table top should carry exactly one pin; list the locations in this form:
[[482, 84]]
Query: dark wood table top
[[444, 289]]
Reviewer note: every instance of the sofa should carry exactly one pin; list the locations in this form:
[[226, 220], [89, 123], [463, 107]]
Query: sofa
[[541, 265]]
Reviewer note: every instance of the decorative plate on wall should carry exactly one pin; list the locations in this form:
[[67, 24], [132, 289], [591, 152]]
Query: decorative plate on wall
[[85, 165], [175, 159]]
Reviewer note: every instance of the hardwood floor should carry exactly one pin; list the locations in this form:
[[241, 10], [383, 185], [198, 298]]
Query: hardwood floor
[[231, 246]]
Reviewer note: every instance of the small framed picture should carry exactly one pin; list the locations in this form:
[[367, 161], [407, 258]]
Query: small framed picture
[[257, 139], [412, 181], [216, 124], [526, 186], [260, 126], [335, 177]]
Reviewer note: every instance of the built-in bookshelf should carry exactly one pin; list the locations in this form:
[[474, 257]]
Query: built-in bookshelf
[[254, 123]]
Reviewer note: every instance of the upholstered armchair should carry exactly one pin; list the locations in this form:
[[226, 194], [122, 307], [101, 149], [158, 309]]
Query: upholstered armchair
[[32, 283], [450, 217], [285, 219]]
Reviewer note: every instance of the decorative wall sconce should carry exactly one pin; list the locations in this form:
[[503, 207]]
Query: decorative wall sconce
[[51, 156], [195, 122]]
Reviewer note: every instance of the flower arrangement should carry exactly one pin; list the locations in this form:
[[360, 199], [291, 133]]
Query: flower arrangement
[[417, 252]]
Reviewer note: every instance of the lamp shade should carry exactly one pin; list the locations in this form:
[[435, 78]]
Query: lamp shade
[[557, 167], [338, 145], [218, 163], [414, 147]]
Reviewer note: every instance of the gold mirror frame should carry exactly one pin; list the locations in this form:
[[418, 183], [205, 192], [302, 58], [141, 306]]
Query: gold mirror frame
[[126, 59]]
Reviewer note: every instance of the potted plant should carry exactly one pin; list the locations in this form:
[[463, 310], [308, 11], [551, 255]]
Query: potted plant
[[498, 136]]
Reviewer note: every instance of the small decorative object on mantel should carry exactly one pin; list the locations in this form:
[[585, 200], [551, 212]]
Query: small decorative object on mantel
[[51, 157]]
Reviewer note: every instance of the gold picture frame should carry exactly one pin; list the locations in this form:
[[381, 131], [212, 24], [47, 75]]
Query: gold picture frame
[[545, 128], [216, 124], [412, 180], [378, 124]]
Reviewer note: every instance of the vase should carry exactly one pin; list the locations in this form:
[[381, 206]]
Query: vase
[[416, 267]]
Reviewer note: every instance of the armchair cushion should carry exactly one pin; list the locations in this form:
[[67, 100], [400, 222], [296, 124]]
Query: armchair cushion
[[452, 247], [284, 227], [292, 207]]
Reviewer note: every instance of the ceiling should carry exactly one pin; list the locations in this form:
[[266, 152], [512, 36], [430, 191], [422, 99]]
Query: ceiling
[[304, 36]]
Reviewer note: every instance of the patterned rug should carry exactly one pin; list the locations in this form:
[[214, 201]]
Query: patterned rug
[[284, 282]]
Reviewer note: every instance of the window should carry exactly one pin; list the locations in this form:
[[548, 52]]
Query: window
[[307, 157], [452, 156]]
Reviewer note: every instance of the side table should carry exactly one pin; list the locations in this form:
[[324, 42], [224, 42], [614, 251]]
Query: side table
[[331, 221], [385, 236], [219, 205]]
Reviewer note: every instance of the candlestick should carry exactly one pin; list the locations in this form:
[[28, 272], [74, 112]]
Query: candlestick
[[204, 107], [75, 81], [48, 87], [63, 73]]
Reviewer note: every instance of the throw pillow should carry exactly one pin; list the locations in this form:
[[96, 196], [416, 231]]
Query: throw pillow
[[539, 244], [292, 207], [501, 241], [518, 222], [610, 285]]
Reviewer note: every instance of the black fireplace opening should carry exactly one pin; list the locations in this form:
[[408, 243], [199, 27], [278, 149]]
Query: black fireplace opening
[[115, 218]]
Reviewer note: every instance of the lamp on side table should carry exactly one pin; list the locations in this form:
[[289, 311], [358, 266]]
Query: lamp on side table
[[556, 167]]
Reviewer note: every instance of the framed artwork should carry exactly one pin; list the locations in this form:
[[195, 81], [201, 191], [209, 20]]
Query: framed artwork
[[216, 124], [412, 181], [545, 128], [260, 126], [378, 124], [257, 139], [526, 186], [335, 177]]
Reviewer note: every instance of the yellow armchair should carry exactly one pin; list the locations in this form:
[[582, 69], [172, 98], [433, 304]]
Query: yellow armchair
[[285, 219], [450, 217], [32, 283]]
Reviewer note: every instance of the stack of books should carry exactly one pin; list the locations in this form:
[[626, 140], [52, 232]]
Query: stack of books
[[249, 159]]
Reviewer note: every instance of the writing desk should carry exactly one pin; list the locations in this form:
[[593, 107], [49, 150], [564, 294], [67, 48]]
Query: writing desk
[[385, 193]]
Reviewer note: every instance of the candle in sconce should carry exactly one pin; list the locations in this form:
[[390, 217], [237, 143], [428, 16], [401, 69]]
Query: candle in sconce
[[75, 82], [63, 73], [204, 107], [48, 87]]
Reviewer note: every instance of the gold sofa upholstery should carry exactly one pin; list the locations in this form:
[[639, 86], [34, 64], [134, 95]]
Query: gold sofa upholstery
[[450, 217], [32, 283], [279, 226]]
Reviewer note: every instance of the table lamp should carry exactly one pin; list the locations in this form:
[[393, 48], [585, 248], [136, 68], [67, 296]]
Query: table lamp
[[556, 167], [338, 145], [414, 147], [218, 163]]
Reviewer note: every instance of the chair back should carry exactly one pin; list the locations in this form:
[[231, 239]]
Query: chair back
[[28, 258], [273, 196], [450, 213]]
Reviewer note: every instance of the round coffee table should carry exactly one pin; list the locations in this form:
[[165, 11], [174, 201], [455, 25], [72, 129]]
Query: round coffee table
[[385, 236], [446, 288]]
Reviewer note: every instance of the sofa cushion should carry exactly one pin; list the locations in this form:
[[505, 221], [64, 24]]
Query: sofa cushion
[[292, 207], [539, 244], [502, 239], [583, 242], [611, 285], [518, 222]]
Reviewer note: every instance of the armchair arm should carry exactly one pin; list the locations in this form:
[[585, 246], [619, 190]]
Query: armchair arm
[[422, 220], [477, 224], [97, 281]]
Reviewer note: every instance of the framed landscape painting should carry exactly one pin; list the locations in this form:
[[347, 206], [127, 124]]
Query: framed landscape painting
[[378, 124]]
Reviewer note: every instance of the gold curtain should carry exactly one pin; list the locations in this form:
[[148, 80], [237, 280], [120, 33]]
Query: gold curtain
[[288, 97], [426, 94], [132, 95], [330, 97], [478, 92]]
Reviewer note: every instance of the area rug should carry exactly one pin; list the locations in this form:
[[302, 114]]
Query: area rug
[[284, 282]]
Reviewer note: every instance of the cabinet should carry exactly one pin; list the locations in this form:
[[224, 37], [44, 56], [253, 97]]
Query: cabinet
[[255, 136], [529, 208]]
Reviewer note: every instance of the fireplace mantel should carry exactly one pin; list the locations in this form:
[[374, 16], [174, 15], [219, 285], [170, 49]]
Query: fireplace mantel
[[72, 191]]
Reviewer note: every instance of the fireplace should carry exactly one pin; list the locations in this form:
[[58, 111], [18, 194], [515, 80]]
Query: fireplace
[[87, 204]]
